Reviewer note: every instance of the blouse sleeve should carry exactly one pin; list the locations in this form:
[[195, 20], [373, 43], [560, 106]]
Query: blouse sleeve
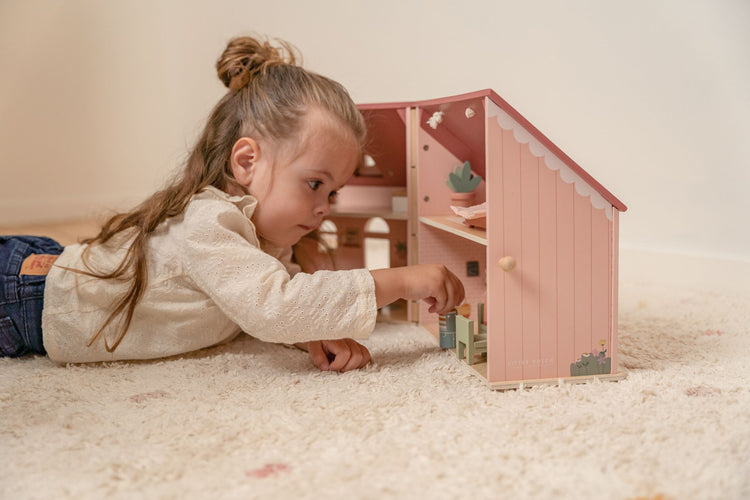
[[286, 257], [222, 257]]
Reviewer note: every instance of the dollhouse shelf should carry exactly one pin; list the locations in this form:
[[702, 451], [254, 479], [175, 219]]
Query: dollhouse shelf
[[453, 225], [369, 212]]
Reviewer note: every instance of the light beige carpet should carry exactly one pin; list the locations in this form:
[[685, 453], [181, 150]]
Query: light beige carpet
[[254, 420]]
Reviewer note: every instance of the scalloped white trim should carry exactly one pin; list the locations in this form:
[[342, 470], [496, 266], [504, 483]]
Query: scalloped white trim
[[552, 162]]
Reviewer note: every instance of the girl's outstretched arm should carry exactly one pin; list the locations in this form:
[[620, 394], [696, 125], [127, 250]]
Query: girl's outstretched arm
[[433, 283]]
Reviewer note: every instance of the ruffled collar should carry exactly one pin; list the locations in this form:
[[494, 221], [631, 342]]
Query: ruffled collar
[[246, 203]]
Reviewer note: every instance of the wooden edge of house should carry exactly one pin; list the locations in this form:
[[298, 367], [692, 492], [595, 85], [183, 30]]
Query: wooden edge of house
[[480, 370]]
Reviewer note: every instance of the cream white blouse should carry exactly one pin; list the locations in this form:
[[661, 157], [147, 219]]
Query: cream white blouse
[[209, 278]]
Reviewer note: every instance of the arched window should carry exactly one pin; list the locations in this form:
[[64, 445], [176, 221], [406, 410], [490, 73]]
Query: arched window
[[329, 233], [377, 225], [377, 244]]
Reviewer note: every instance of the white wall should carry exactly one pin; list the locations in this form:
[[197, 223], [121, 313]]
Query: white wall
[[100, 100]]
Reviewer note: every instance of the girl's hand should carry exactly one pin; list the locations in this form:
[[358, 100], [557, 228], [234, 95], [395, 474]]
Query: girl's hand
[[337, 355], [433, 283]]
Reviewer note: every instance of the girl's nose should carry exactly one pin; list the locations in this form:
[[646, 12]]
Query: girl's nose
[[323, 208]]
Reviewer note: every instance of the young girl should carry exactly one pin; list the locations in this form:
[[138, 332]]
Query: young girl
[[210, 255]]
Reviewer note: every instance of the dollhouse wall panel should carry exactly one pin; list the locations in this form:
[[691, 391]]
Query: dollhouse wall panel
[[557, 304], [496, 351], [613, 279], [435, 163], [601, 281], [565, 277], [386, 145], [530, 254], [582, 267], [457, 130], [548, 310], [512, 319]]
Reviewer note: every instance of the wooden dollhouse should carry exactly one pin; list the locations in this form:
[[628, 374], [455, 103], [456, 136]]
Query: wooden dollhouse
[[544, 265]]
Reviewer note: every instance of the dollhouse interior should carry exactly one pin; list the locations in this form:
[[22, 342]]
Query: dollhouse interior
[[393, 214], [369, 223]]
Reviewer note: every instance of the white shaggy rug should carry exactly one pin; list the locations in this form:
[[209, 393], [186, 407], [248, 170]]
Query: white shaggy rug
[[254, 420]]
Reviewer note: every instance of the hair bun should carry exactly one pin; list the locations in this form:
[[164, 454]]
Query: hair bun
[[246, 57]]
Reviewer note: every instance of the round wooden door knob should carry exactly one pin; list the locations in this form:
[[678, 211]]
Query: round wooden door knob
[[507, 263]]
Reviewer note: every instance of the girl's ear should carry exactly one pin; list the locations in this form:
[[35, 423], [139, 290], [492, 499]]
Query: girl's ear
[[244, 158]]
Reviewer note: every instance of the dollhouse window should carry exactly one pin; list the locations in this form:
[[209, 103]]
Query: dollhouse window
[[377, 244], [329, 234], [377, 225]]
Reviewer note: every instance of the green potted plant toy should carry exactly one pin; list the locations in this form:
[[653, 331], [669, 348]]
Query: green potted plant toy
[[463, 183]]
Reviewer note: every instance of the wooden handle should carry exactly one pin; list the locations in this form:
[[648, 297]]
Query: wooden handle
[[507, 263]]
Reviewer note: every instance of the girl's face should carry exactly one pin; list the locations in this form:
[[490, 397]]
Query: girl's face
[[294, 188]]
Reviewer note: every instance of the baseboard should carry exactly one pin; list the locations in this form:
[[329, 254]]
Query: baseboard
[[51, 210]]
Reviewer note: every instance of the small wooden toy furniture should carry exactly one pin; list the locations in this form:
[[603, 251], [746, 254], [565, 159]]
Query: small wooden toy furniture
[[468, 345], [547, 260]]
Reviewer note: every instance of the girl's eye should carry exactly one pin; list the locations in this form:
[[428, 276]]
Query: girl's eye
[[315, 185]]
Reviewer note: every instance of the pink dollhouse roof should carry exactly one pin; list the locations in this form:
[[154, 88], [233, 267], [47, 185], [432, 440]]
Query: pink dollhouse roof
[[514, 115]]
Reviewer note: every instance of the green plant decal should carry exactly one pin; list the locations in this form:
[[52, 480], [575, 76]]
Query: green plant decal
[[592, 363], [461, 180]]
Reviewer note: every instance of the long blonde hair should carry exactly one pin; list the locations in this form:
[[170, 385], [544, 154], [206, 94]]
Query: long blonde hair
[[269, 94]]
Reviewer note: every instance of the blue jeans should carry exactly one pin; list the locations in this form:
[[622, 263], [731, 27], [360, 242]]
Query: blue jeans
[[22, 295]]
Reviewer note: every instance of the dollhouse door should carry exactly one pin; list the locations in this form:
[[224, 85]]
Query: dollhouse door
[[555, 304]]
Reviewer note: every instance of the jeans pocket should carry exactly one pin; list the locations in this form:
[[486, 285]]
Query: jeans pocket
[[11, 342]]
